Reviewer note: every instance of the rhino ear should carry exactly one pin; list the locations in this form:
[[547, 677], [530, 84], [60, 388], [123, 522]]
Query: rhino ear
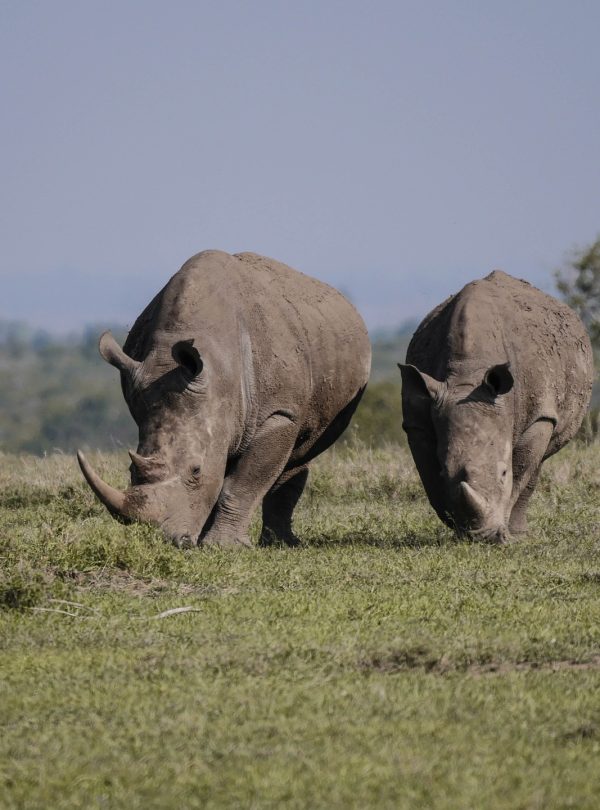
[[498, 379], [415, 382], [188, 357], [111, 352]]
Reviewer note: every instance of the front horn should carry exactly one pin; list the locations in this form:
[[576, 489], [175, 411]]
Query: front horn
[[114, 500], [114, 354]]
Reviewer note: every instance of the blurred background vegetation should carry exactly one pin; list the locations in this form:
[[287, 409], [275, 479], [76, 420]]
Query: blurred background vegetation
[[58, 394]]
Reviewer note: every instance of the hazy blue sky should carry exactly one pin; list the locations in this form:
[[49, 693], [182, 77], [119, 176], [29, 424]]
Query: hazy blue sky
[[394, 149]]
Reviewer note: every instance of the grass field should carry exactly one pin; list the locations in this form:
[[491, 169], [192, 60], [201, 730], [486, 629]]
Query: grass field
[[385, 664]]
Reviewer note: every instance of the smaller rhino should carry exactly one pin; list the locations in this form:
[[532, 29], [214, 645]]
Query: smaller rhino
[[498, 378]]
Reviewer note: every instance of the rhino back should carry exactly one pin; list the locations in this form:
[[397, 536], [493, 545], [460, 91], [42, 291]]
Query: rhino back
[[501, 318], [308, 340], [303, 345]]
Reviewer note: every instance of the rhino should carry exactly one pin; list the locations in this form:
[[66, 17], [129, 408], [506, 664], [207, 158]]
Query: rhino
[[497, 378], [238, 374]]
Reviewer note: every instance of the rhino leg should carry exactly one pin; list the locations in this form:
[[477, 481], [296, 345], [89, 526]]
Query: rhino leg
[[278, 506], [527, 459], [251, 477]]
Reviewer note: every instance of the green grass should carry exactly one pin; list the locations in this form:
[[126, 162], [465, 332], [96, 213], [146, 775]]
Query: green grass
[[384, 664]]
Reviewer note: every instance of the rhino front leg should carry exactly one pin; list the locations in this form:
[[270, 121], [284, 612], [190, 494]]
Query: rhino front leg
[[278, 507], [527, 459], [252, 476]]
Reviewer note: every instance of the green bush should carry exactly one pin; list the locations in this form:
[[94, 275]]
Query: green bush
[[378, 418]]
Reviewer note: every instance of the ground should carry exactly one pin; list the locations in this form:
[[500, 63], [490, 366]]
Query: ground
[[385, 664]]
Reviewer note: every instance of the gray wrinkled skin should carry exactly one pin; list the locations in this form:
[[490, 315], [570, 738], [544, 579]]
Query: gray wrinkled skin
[[498, 378], [238, 373]]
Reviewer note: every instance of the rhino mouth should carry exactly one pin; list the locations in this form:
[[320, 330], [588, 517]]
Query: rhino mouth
[[139, 502], [494, 536], [184, 541], [476, 519]]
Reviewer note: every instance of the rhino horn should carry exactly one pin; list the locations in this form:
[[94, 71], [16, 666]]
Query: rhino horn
[[146, 466], [114, 500], [114, 354], [475, 501]]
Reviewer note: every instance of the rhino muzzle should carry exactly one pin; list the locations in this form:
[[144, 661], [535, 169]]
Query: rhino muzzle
[[151, 501], [131, 505], [479, 521]]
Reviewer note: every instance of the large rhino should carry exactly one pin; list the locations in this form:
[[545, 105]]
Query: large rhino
[[238, 373], [498, 378]]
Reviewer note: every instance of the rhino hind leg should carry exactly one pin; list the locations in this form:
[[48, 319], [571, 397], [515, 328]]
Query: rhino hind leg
[[278, 507], [334, 429], [249, 480]]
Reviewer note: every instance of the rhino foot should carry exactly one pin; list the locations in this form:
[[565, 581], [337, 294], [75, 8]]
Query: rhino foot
[[226, 540], [269, 538]]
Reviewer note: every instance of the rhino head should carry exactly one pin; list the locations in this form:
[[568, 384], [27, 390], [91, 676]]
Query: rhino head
[[466, 427], [178, 470]]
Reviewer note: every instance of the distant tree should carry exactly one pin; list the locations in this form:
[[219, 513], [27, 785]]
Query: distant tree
[[579, 283], [58, 393]]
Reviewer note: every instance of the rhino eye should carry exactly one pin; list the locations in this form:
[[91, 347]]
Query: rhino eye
[[195, 472]]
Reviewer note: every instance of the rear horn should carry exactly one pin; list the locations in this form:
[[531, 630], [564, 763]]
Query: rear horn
[[147, 467]]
